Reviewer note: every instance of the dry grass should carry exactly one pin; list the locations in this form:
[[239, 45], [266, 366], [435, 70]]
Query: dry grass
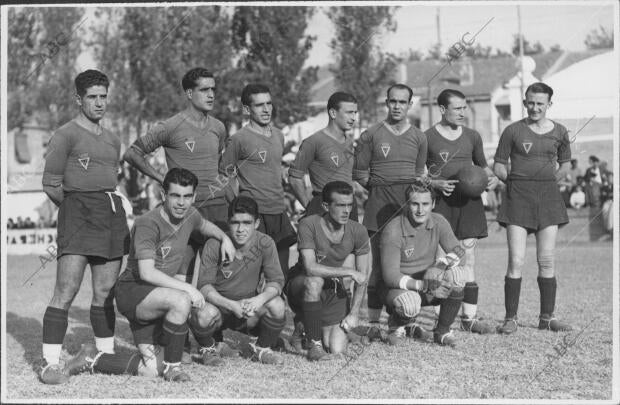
[[524, 365]]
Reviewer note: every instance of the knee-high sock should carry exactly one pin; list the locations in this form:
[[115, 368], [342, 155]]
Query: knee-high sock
[[547, 287], [312, 319], [55, 322], [512, 292], [470, 300], [103, 321], [269, 330], [172, 339], [448, 312]]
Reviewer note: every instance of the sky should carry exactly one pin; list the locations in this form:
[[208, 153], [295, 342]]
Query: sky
[[563, 23], [566, 24]]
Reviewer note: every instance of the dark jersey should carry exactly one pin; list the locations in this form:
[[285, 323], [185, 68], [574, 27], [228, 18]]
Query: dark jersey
[[311, 235], [446, 157], [533, 156], [81, 160], [258, 161], [189, 147], [239, 279], [154, 237], [325, 159], [385, 158]]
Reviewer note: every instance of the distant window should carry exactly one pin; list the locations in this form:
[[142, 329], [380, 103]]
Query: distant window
[[22, 152]]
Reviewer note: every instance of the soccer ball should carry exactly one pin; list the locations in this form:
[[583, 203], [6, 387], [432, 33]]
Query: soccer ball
[[473, 181]]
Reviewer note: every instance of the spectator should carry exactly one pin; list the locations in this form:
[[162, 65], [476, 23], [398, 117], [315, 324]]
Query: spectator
[[607, 199], [574, 172], [577, 197], [11, 224]]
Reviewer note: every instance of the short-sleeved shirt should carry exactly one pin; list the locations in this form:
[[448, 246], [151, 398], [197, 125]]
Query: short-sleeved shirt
[[189, 147], [406, 250], [325, 159], [81, 160], [154, 237], [258, 160], [533, 156], [446, 157], [385, 158], [239, 279], [311, 235]]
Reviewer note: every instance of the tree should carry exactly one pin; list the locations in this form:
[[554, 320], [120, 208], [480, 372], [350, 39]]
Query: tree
[[362, 69], [146, 51], [600, 38], [43, 44], [528, 48], [273, 48]]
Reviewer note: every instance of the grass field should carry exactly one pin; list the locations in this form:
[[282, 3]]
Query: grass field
[[523, 365]]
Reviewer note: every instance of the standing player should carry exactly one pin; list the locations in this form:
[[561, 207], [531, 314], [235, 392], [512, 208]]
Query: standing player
[[452, 146], [230, 288], [255, 152], [532, 202], [80, 177], [389, 155], [315, 286], [326, 155], [409, 246]]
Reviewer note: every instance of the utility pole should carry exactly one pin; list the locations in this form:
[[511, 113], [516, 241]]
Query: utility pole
[[521, 56]]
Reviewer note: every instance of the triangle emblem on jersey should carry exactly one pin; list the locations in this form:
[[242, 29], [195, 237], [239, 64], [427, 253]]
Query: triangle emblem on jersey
[[335, 159], [84, 162], [164, 251], [444, 156], [190, 145], [385, 148], [320, 258], [226, 273], [409, 252], [262, 155], [527, 146]]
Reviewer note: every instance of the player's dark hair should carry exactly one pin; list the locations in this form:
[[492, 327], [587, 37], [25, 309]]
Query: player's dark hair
[[340, 97], [190, 79], [182, 177], [419, 185], [251, 89], [539, 87], [339, 187], [444, 97], [90, 78], [399, 86], [243, 205]]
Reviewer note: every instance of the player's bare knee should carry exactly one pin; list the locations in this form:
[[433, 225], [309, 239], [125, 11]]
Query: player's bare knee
[[208, 316], [546, 263], [64, 295], [179, 302], [313, 287], [515, 266], [101, 293], [276, 308]]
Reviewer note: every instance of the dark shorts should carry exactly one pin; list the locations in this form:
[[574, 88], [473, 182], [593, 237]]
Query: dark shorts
[[128, 295], [88, 226], [279, 227], [384, 203], [465, 215], [335, 303], [532, 204], [315, 206]]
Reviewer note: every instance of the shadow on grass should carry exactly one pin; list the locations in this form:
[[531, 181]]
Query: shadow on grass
[[28, 333]]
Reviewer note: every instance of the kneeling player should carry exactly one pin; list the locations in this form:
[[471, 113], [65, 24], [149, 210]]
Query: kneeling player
[[152, 293], [409, 245], [230, 288], [315, 286]]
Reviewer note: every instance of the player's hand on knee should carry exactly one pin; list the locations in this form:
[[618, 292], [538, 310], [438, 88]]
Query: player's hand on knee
[[443, 291]]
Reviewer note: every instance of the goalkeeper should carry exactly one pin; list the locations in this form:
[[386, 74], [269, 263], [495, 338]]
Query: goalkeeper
[[412, 276]]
